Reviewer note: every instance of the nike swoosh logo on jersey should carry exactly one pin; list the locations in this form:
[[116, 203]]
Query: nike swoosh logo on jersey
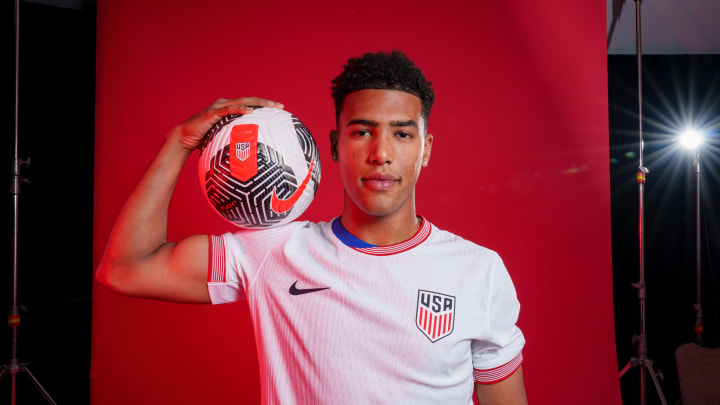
[[281, 206], [299, 291]]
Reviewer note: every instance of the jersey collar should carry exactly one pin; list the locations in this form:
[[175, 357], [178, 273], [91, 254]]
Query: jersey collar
[[359, 245]]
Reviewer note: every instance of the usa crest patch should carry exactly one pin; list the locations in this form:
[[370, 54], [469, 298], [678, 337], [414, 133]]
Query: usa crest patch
[[242, 150], [435, 314]]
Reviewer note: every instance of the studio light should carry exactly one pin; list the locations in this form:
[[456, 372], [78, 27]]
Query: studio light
[[691, 138]]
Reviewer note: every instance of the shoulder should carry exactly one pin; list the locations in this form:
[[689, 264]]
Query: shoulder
[[277, 235], [455, 244], [483, 271]]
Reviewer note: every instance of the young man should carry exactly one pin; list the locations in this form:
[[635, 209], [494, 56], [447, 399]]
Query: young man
[[376, 306]]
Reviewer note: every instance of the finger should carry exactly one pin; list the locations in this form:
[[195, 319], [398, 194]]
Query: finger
[[255, 101], [244, 105], [232, 109]]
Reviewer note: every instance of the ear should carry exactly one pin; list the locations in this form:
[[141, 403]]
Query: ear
[[427, 149], [334, 144]]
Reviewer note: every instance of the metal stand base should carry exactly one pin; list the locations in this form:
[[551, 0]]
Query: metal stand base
[[16, 367], [644, 365]]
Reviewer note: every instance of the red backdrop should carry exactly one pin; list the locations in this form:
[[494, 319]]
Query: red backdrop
[[520, 164]]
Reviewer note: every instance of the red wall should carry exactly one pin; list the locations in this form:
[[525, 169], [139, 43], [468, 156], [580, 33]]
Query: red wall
[[520, 164]]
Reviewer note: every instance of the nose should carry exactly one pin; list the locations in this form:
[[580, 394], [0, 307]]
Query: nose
[[381, 149]]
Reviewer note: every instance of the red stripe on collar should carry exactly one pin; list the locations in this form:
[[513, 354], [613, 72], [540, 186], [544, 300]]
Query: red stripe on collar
[[420, 236]]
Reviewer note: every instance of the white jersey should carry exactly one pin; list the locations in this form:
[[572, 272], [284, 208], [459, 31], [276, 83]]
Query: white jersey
[[339, 321]]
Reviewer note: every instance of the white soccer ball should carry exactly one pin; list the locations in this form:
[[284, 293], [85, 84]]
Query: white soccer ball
[[261, 169]]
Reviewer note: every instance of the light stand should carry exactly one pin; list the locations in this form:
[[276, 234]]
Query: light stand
[[692, 140], [14, 366], [642, 360]]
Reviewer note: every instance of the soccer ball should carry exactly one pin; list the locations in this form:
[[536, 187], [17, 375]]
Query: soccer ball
[[261, 169]]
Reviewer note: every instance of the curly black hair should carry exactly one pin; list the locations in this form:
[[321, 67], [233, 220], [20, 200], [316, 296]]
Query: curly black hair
[[385, 71]]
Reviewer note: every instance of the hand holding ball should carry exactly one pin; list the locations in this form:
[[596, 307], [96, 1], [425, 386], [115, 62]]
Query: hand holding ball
[[261, 169]]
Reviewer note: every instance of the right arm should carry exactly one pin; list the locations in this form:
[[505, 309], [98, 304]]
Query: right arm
[[138, 261]]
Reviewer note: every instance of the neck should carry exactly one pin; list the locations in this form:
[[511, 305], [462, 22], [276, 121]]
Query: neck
[[380, 230]]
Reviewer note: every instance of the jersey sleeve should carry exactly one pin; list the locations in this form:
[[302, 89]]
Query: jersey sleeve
[[498, 353], [235, 259]]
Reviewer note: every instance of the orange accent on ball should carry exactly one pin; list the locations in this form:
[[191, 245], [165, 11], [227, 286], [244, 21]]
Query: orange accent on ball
[[281, 206]]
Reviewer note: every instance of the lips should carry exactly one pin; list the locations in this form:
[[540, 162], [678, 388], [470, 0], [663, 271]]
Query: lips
[[380, 181]]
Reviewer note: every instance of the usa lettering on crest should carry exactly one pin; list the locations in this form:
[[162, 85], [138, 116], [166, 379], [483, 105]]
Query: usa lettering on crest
[[242, 150], [435, 314]]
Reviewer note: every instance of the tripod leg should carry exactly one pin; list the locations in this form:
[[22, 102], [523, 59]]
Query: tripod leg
[[2, 372], [38, 386], [643, 385], [626, 368], [13, 390], [649, 366]]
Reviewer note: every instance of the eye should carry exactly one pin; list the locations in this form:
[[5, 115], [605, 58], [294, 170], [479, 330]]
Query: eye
[[404, 135], [361, 132]]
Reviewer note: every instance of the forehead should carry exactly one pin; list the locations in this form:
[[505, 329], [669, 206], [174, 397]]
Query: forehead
[[381, 105]]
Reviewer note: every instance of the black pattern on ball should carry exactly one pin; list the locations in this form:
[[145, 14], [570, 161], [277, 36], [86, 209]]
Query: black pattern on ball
[[310, 150], [248, 204]]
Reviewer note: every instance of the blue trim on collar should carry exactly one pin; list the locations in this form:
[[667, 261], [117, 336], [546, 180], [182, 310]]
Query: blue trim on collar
[[346, 237]]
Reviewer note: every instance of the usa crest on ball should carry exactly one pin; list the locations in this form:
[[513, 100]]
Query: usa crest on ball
[[261, 169], [242, 150]]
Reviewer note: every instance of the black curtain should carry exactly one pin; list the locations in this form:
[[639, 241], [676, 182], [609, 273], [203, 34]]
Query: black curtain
[[674, 86], [57, 89]]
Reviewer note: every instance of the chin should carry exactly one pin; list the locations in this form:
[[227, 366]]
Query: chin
[[378, 212], [377, 204], [378, 209]]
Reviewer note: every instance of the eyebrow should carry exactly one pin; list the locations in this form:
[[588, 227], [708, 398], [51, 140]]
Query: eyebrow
[[369, 123]]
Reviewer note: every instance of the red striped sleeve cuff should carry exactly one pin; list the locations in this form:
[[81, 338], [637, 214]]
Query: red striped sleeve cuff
[[497, 374], [216, 264]]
